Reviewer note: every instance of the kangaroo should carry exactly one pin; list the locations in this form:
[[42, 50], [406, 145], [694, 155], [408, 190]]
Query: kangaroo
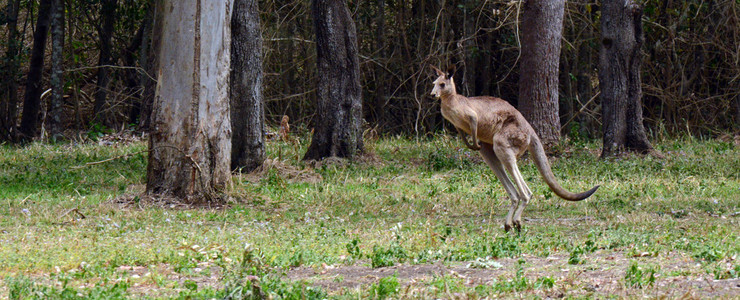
[[502, 135]]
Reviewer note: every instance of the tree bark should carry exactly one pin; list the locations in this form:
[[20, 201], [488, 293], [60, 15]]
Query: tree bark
[[108, 16], [619, 78], [542, 28], [338, 120], [150, 43], [9, 75], [32, 100], [190, 139], [247, 110], [55, 118], [133, 84]]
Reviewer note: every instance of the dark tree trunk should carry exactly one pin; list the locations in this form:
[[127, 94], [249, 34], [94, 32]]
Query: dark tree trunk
[[542, 28], [55, 118], [32, 100], [133, 84], [108, 18], [148, 61], [247, 111], [338, 120], [9, 75], [619, 78], [190, 139]]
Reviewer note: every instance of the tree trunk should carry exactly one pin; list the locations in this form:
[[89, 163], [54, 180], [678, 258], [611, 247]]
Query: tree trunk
[[32, 100], [9, 75], [247, 111], [108, 16], [338, 120], [619, 78], [148, 61], [133, 84], [190, 139], [542, 28], [55, 118]]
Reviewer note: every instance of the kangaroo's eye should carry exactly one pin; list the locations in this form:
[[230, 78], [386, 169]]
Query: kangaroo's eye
[[442, 85]]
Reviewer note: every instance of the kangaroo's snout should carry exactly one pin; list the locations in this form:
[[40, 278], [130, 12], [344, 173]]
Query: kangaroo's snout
[[435, 92]]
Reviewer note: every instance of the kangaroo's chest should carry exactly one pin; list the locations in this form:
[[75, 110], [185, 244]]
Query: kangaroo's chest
[[457, 117]]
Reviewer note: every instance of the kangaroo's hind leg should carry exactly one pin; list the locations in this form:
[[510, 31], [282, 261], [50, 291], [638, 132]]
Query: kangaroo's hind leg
[[495, 164], [508, 159]]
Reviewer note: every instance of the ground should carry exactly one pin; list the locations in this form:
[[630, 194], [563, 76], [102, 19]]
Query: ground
[[408, 219]]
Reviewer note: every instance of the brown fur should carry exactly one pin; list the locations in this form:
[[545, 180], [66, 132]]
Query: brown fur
[[502, 135]]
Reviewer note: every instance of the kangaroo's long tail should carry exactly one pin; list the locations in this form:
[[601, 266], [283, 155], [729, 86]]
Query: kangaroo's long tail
[[540, 160]]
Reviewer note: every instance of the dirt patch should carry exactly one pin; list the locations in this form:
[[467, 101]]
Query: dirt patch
[[602, 275]]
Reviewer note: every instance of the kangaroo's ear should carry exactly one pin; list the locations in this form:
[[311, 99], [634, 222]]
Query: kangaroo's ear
[[439, 72], [451, 71]]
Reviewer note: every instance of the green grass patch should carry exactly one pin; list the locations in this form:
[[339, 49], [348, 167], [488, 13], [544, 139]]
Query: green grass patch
[[426, 201]]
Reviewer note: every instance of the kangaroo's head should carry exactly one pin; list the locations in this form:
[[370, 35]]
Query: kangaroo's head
[[444, 85]]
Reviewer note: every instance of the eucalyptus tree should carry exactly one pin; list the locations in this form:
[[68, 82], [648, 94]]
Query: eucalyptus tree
[[190, 135]]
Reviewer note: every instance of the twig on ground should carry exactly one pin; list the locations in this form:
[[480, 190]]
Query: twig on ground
[[107, 160], [76, 211]]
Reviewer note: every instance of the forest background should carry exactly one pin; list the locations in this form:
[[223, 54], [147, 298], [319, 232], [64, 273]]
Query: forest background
[[690, 70]]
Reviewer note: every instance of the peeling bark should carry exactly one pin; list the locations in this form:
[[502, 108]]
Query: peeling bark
[[190, 139]]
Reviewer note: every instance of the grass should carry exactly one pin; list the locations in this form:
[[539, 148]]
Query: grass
[[64, 234]]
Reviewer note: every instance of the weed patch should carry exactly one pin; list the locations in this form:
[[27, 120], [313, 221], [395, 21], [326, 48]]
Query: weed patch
[[639, 277], [385, 257]]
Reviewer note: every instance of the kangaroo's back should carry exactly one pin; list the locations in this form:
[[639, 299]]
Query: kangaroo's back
[[498, 117]]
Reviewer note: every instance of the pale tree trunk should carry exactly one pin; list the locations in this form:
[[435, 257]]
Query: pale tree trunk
[[619, 78], [9, 75], [542, 28], [108, 17], [32, 100], [247, 111], [55, 118], [190, 136], [338, 120]]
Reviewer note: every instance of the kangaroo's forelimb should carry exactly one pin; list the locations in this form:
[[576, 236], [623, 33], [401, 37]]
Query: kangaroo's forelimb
[[475, 146]]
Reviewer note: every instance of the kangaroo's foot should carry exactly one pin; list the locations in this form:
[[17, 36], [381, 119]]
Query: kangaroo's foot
[[518, 225]]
